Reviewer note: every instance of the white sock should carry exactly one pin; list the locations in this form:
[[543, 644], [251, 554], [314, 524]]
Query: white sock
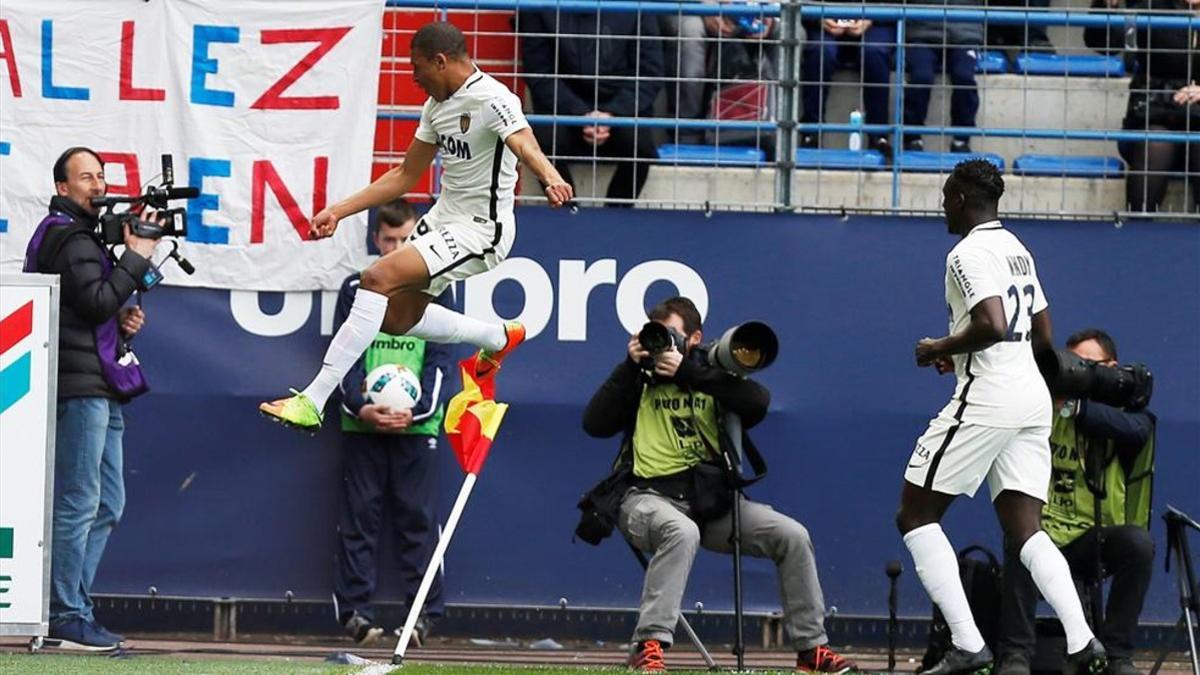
[[446, 326], [1052, 576], [351, 340], [937, 568]]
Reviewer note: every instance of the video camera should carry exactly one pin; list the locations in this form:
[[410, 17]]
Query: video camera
[[1069, 376], [168, 222]]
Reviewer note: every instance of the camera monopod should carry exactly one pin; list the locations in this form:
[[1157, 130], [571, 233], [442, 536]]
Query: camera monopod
[[1178, 524], [894, 568]]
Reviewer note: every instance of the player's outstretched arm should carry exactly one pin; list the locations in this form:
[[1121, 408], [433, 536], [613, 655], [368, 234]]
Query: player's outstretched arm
[[395, 183], [986, 328], [525, 146]]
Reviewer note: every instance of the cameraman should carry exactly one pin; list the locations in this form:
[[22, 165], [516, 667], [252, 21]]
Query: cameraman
[[96, 375], [1122, 441], [669, 407]]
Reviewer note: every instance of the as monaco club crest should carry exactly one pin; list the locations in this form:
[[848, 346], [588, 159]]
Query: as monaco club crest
[[464, 122]]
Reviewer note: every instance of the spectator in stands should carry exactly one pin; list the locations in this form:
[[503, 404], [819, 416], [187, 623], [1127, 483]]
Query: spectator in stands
[[586, 64], [704, 55], [1163, 96], [949, 47], [1022, 37], [833, 41]]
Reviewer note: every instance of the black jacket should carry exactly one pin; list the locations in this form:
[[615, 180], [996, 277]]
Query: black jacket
[[1165, 56], [613, 408], [89, 298], [1128, 431], [578, 51]]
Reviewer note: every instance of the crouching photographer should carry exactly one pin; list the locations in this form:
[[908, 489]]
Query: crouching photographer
[[670, 490], [97, 373], [1102, 442]]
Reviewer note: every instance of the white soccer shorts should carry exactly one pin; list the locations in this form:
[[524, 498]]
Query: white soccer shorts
[[458, 247], [954, 458]]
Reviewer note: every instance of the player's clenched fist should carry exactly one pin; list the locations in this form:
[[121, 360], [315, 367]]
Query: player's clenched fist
[[559, 194], [323, 224]]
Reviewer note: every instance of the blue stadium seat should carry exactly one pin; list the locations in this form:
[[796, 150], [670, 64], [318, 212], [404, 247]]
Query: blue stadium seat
[[1078, 65], [712, 155], [989, 62], [941, 162], [1074, 167], [820, 158]]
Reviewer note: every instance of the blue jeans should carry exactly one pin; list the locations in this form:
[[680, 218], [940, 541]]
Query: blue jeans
[[924, 63], [820, 60], [89, 496]]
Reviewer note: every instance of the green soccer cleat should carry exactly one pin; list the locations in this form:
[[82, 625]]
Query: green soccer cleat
[[297, 411]]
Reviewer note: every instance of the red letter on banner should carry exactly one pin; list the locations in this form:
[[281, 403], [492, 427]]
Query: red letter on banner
[[128, 92], [10, 59], [326, 38], [133, 178], [264, 174]]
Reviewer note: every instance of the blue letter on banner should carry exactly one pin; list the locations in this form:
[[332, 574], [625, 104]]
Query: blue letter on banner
[[203, 66], [48, 88], [198, 168]]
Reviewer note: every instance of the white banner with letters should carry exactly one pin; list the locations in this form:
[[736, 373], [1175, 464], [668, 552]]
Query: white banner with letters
[[267, 107]]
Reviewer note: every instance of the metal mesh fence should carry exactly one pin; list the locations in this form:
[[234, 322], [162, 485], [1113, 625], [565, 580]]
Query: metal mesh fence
[[1091, 111]]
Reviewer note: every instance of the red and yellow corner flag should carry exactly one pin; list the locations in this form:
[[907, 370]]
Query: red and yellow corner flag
[[473, 417]]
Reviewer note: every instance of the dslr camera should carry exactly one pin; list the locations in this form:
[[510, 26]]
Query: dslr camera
[[168, 222], [656, 339], [1069, 376]]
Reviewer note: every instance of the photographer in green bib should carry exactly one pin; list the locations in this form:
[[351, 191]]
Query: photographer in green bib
[[389, 457], [1103, 456], [668, 402]]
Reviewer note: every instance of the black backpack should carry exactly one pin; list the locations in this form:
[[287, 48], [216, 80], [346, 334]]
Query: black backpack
[[981, 581]]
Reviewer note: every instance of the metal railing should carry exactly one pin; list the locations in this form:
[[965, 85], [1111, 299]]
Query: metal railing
[[779, 183]]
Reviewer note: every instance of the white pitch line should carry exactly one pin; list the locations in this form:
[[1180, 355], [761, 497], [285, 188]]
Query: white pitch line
[[376, 669]]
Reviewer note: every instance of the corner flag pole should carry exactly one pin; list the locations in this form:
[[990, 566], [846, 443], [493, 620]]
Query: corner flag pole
[[472, 419], [431, 570]]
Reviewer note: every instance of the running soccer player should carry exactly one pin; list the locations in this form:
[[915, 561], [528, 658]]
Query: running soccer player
[[478, 126], [997, 424]]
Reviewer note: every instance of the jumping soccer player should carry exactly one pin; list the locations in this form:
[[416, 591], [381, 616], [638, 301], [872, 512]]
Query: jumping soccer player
[[478, 125], [997, 424]]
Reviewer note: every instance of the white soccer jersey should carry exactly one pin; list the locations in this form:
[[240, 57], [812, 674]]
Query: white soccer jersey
[[999, 386], [470, 128]]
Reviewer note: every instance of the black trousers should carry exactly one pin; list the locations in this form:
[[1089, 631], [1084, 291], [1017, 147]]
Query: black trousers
[[1128, 554], [623, 145], [400, 472]]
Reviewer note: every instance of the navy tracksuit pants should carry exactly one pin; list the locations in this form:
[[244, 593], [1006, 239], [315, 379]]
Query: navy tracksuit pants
[[397, 473]]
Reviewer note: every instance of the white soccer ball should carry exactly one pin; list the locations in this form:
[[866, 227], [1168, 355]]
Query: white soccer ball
[[393, 386]]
